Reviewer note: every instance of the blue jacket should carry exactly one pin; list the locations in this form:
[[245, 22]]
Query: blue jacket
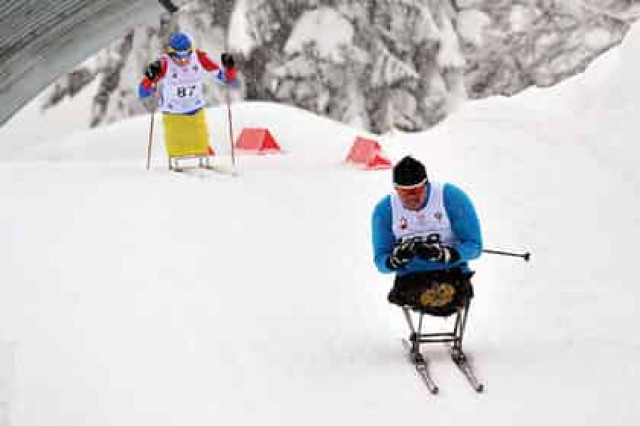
[[464, 223]]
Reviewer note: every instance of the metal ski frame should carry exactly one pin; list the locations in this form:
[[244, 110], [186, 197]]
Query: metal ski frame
[[454, 337], [203, 162], [422, 367]]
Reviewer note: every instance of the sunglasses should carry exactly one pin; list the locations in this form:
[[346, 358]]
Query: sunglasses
[[411, 192], [179, 54], [411, 189]]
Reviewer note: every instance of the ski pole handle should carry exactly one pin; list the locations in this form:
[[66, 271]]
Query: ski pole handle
[[526, 256]]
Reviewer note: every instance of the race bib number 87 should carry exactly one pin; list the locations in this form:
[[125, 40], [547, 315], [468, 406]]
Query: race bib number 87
[[185, 91]]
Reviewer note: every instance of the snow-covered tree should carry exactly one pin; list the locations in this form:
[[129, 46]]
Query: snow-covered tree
[[376, 63]]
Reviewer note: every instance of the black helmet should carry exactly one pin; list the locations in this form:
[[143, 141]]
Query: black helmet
[[409, 172]]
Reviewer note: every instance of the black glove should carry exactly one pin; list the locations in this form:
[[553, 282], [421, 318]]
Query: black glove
[[227, 60], [401, 254], [436, 252], [428, 248], [428, 251], [449, 255], [153, 70]]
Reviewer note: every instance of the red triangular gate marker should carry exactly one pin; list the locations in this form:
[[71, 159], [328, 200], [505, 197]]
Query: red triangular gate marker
[[367, 154], [255, 140]]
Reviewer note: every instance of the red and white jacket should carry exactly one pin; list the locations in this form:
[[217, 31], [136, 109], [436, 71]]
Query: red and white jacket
[[182, 84]]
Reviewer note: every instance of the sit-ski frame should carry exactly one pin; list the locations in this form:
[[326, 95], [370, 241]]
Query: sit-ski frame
[[453, 337], [203, 162]]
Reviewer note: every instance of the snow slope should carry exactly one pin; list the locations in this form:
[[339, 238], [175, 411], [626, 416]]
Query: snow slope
[[147, 298]]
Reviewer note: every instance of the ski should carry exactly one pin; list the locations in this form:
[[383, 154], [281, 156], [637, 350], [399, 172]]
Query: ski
[[462, 362], [222, 169], [421, 366], [203, 171]]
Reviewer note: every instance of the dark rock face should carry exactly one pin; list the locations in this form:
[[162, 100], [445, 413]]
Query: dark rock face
[[372, 64]]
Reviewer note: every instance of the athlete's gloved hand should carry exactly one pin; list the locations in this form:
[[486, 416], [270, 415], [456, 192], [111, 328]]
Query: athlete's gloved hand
[[432, 250], [448, 255], [428, 251], [428, 248], [227, 60], [401, 254], [153, 70], [436, 252]]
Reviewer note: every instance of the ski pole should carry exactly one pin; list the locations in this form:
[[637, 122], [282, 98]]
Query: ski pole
[[172, 9], [153, 114], [230, 119], [526, 256]]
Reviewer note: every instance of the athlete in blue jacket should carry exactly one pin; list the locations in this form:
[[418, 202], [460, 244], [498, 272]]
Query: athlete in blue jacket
[[423, 227]]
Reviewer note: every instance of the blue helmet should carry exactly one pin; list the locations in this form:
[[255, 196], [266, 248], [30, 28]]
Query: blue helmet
[[180, 44]]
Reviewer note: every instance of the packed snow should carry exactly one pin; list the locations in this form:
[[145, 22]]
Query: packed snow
[[134, 297]]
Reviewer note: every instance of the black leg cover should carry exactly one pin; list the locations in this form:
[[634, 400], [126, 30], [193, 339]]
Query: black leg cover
[[439, 293]]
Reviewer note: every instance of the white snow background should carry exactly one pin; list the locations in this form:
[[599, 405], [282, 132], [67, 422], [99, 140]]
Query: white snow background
[[146, 298]]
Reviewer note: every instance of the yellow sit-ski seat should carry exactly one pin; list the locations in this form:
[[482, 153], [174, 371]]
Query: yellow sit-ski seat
[[186, 136]]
